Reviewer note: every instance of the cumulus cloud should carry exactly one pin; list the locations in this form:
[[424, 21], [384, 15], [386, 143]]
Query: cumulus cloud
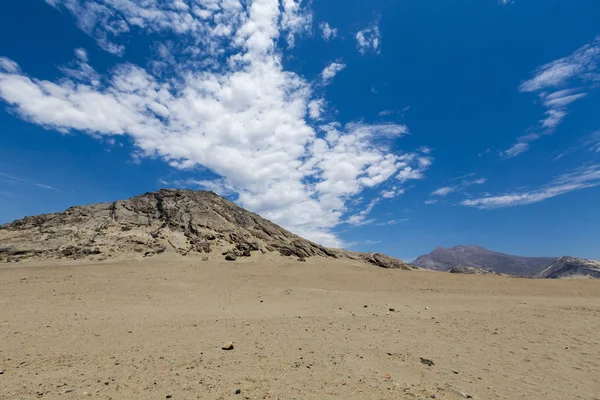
[[315, 108], [331, 71], [223, 102], [328, 32], [368, 39], [581, 178], [558, 84]]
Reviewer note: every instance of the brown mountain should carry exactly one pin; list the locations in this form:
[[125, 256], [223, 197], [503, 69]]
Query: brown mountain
[[442, 259], [182, 221], [572, 267]]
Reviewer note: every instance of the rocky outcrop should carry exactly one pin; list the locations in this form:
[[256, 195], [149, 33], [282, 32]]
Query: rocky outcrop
[[383, 261], [571, 267], [471, 271], [442, 259], [182, 221]]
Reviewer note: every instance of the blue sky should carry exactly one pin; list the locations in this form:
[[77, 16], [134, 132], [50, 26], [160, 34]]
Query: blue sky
[[392, 126]]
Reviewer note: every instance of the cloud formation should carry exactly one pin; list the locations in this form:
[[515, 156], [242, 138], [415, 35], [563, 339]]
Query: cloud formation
[[368, 39], [558, 84], [446, 190], [581, 178], [328, 32], [220, 99], [331, 71]]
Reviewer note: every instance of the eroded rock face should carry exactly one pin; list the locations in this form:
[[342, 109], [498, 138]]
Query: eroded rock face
[[182, 221], [471, 271]]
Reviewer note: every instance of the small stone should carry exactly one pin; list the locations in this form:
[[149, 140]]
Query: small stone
[[392, 310], [433, 396], [69, 390], [427, 308], [169, 396], [388, 376], [228, 346], [238, 391], [1, 372], [427, 362], [301, 259], [365, 306]]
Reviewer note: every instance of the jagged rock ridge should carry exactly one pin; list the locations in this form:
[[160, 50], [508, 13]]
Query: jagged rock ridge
[[184, 221], [572, 267], [442, 259]]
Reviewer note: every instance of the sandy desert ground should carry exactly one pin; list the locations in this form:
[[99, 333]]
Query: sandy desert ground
[[154, 328]]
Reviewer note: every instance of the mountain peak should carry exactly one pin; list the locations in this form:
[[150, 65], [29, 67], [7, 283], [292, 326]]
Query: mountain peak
[[168, 220], [474, 256]]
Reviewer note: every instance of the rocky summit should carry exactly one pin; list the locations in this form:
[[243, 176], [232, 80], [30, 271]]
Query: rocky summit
[[182, 221]]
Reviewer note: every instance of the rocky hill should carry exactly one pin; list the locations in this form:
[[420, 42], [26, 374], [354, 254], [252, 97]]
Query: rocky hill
[[442, 259], [572, 267], [182, 221]]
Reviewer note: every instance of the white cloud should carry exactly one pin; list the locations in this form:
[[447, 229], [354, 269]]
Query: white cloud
[[331, 71], [295, 19], [9, 66], [559, 84], [393, 192], [327, 31], [446, 190], [225, 104], [315, 108], [368, 39], [516, 149], [393, 222], [361, 218], [431, 201], [581, 178]]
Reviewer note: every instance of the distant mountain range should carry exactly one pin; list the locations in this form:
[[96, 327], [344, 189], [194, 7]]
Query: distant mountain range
[[571, 267], [442, 259]]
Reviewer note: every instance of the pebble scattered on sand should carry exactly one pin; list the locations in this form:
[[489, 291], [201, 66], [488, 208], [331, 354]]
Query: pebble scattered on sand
[[427, 362], [228, 346]]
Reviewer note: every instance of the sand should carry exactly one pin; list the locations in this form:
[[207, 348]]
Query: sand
[[146, 329]]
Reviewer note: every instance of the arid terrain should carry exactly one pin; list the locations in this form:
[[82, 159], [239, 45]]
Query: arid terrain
[[154, 328]]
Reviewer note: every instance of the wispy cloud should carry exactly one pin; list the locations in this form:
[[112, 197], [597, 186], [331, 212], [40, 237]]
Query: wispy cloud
[[581, 178], [392, 222], [446, 190], [590, 143], [386, 113], [558, 84], [17, 180], [331, 71], [361, 218], [368, 39], [327, 31], [430, 201]]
